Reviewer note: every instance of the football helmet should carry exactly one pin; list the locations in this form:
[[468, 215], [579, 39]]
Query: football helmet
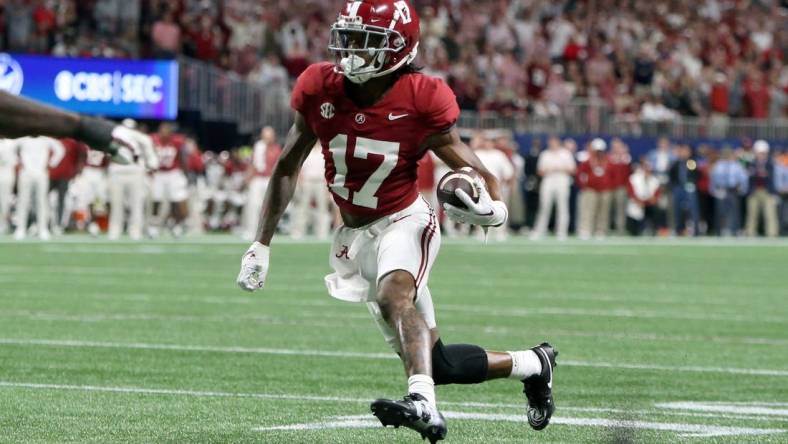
[[372, 38]]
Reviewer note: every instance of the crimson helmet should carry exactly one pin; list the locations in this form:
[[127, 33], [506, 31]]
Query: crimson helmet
[[372, 38]]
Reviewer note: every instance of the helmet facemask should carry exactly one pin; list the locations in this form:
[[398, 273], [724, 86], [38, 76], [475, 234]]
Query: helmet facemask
[[361, 51]]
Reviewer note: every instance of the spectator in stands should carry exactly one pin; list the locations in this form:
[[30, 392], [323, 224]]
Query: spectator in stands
[[594, 182], [620, 169], [756, 94], [683, 175], [19, 15], [166, 36], [729, 183], [719, 105], [643, 189], [762, 199], [556, 166]]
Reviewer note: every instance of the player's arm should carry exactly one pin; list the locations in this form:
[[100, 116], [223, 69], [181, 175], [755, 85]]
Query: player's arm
[[299, 142], [456, 154], [282, 185], [23, 117], [490, 209]]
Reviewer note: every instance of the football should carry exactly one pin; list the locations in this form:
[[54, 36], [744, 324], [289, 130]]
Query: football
[[461, 179]]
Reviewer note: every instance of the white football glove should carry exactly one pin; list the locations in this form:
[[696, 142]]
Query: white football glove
[[139, 143], [254, 267], [486, 212]]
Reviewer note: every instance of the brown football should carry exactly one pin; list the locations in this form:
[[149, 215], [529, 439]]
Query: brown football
[[461, 179]]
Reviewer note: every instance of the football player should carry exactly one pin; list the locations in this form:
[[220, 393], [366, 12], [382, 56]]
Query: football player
[[375, 116], [169, 182], [23, 117]]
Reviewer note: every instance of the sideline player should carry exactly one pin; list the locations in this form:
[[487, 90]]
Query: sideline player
[[169, 182], [375, 115], [23, 117]]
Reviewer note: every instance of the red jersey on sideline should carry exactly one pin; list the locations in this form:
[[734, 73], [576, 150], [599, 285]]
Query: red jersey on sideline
[[169, 151], [72, 162]]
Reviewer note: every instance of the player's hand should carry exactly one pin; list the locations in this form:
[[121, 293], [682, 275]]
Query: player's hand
[[254, 267], [140, 144], [486, 212]]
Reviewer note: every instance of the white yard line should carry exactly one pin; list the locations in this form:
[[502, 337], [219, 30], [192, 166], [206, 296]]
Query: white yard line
[[365, 355], [683, 430], [743, 409], [315, 319], [353, 421]]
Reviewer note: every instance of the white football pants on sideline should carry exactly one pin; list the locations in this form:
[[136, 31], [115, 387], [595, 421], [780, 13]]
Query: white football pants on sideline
[[127, 189], [553, 192], [319, 216], [33, 182], [6, 194], [254, 204]]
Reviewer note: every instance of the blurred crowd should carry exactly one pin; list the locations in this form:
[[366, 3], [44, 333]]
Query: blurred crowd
[[649, 60], [48, 187]]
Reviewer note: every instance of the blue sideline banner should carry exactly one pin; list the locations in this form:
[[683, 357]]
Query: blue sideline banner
[[146, 89]]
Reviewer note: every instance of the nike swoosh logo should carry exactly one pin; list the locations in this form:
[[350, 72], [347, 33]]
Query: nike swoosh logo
[[393, 117]]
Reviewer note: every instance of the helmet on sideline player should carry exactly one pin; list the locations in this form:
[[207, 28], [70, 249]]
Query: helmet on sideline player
[[373, 38]]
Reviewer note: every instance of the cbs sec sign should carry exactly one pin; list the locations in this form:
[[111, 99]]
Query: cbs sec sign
[[145, 89]]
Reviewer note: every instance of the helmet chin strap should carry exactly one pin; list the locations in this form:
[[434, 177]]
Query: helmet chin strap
[[350, 64], [354, 62]]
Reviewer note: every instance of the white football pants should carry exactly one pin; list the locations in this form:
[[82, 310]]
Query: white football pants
[[254, 204], [33, 182], [320, 216], [127, 189]]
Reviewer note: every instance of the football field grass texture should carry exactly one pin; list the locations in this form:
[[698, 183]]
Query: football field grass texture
[[666, 341]]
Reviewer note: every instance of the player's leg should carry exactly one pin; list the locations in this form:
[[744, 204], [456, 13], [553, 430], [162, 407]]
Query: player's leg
[[543, 214], [135, 192], [562, 210], [42, 206], [179, 201], [6, 187], [587, 207], [396, 293], [158, 194], [24, 194], [301, 210], [472, 364], [117, 209], [405, 252], [322, 209]]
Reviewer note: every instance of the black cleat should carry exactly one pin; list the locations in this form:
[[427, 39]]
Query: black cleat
[[539, 388], [413, 412]]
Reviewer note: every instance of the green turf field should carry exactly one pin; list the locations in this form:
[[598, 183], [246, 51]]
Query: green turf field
[[152, 342]]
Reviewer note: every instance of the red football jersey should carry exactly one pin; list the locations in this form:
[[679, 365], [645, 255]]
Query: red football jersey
[[169, 151], [371, 153]]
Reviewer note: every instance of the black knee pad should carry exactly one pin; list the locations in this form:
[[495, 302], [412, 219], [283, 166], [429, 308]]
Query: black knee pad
[[458, 364]]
